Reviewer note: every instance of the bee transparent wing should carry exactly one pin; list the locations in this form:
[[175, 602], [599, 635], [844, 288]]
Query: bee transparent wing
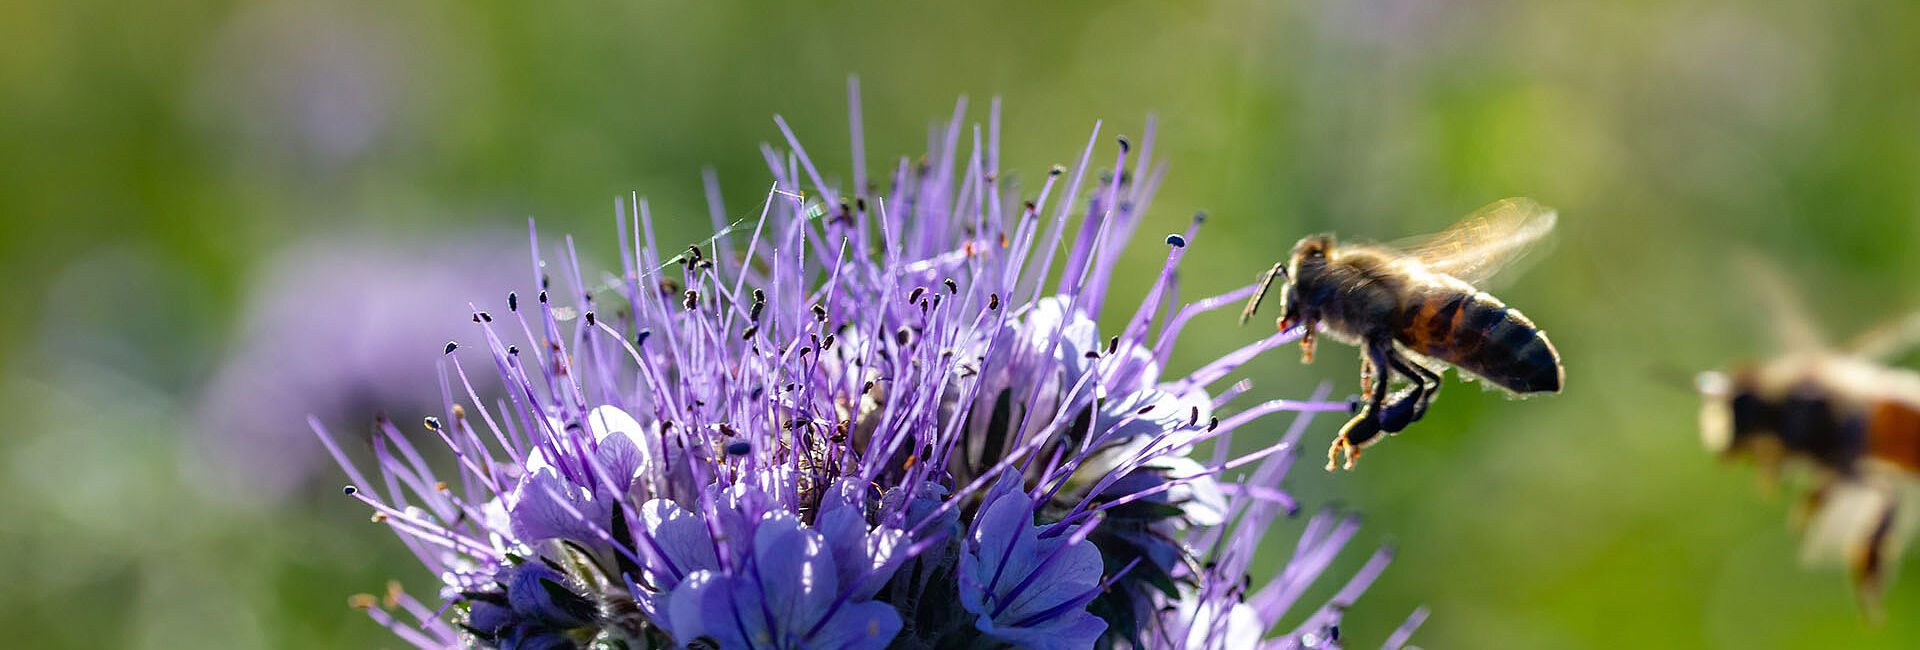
[[1887, 341], [1486, 241], [1791, 323]]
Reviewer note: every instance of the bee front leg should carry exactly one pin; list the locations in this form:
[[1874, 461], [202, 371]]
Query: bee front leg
[[1306, 344]]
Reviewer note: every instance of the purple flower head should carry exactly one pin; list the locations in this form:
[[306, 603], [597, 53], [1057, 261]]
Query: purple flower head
[[1024, 590], [877, 420]]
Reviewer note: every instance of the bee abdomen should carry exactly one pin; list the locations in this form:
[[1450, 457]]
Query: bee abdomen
[[1893, 434], [1479, 334]]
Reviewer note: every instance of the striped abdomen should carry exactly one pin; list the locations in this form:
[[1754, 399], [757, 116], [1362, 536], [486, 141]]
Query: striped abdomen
[[1476, 333], [1893, 433]]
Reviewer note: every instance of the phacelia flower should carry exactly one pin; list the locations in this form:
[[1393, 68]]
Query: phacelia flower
[[856, 421]]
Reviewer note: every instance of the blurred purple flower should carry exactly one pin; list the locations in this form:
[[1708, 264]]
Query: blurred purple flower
[[339, 329], [879, 425]]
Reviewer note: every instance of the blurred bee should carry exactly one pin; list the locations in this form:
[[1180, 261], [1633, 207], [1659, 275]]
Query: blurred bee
[[1841, 414], [1413, 309]]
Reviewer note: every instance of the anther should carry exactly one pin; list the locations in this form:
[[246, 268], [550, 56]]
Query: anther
[[691, 301], [750, 331], [952, 287], [1113, 344], [1124, 145], [349, 490], [993, 302], [451, 346], [1145, 409], [589, 317], [433, 423], [820, 312], [513, 350], [641, 338], [914, 295], [513, 301], [1213, 423], [1057, 170], [1176, 241], [826, 343], [543, 296]]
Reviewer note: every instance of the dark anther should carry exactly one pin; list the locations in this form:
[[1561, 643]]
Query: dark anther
[[695, 251], [993, 302], [804, 350], [727, 430], [952, 287], [1200, 217], [739, 448], [1176, 241], [1056, 170], [914, 295], [666, 425], [513, 349], [754, 313], [759, 297], [691, 301], [1213, 423], [1092, 354], [543, 296], [860, 204], [641, 338], [867, 388], [451, 346], [826, 343], [349, 490], [513, 301], [901, 336], [749, 332], [589, 317], [820, 312], [1194, 418], [1113, 344], [433, 423], [1124, 145], [1145, 409]]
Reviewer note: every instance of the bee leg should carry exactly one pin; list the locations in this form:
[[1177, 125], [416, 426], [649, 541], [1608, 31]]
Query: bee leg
[[1410, 405], [1869, 564], [1365, 425], [1407, 405], [1306, 344]]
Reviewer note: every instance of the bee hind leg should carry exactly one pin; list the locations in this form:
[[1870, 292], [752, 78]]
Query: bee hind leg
[[1409, 405], [1869, 563], [1365, 425]]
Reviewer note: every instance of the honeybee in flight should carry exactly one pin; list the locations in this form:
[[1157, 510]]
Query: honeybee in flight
[[1411, 308], [1843, 414]]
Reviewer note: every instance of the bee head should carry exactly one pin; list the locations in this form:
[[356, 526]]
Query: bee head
[[1303, 272], [1737, 414], [1716, 410]]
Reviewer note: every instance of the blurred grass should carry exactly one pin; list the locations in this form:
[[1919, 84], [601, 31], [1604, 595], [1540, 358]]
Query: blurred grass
[[154, 157]]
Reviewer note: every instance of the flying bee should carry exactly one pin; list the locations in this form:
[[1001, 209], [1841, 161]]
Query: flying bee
[[1842, 415], [1410, 309]]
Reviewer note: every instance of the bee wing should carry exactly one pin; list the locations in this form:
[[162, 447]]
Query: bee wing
[[1887, 341], [1791, 323], [1485, 241]]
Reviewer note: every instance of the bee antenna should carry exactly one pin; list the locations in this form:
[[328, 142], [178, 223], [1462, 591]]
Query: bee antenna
[[1278, 272]]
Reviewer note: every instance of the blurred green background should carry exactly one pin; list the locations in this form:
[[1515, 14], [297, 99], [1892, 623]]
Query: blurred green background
[[159, 162]]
